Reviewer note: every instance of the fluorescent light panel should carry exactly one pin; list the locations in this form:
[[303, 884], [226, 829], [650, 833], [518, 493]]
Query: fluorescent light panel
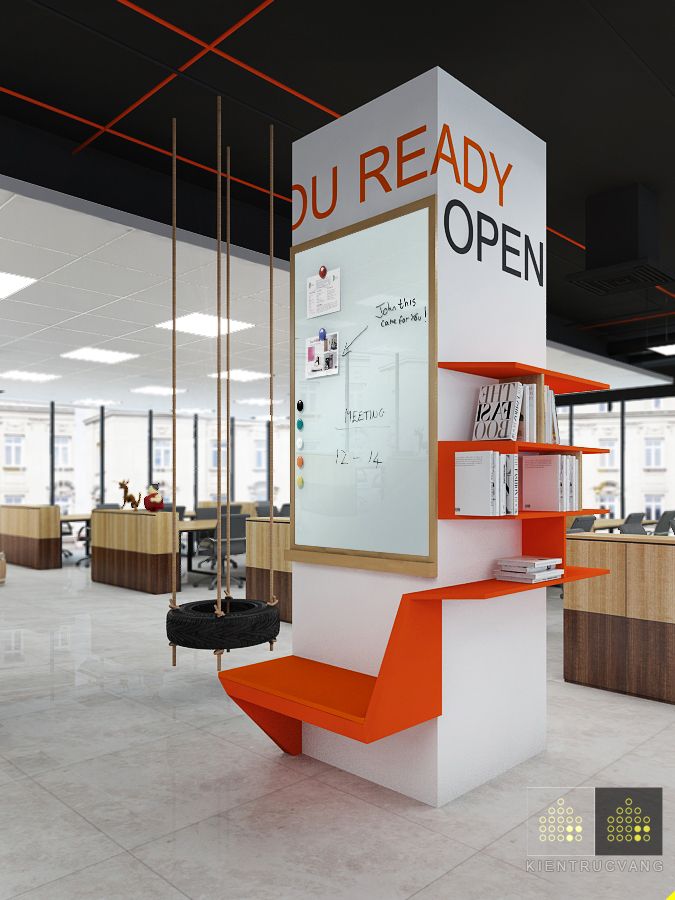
[[91, 402], [204, 325], [19, 375], [12, 284], [665, 349], [256, 401], [97, 354], [157, 390], [242, 375]]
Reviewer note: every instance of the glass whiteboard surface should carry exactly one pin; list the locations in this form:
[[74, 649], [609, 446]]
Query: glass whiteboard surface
[[365, 416]]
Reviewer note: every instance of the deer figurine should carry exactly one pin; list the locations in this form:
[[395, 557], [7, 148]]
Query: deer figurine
[[129, 498]]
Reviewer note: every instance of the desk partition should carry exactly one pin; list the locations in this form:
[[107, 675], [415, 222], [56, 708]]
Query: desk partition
[[31, 536]]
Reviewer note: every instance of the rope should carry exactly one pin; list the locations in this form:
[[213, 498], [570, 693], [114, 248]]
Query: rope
[[229, 369], [174, 556], [270, 463], [219, 389]]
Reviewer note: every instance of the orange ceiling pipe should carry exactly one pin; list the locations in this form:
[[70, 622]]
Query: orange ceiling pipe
[[169, 78], [232, 59], [133, 140]]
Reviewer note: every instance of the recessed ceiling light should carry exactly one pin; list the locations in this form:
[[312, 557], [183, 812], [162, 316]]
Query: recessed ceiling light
[[665, 349], [12, 284], [204, 325], [242, 375], [96, 354], [257, 401], [90, 402], [157, 390], [195, 411], [267, 418], [19, 375]]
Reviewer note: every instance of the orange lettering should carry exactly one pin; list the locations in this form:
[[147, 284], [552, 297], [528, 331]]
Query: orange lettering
[[476, 188], [446, 137], [374, 173], [315, 208], [501, 180], [303, 194], [402, 158]]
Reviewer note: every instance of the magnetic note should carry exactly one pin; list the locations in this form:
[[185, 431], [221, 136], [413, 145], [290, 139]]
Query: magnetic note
[[323, 294]]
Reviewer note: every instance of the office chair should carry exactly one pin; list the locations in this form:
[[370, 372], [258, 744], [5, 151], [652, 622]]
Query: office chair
[[633, 524], [665, 523], [84, 534], [237, 547], [66, 531], [263, 510], [285, 510], [581, 524], [108, 506], [168, 507]]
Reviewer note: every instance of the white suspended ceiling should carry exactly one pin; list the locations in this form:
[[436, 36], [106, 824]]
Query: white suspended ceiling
[[106, 284]]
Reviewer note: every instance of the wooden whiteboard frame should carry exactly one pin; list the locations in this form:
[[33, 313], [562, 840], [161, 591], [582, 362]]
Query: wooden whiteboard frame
[[368, 559]]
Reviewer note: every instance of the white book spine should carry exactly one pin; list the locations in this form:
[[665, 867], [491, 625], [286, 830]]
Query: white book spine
[[511, 484], [502, 484], [494, 483], [562, 484], [517, 406], [533, 413]]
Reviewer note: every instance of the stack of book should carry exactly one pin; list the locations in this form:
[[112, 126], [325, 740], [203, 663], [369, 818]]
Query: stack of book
[[550, 481], [507, 411], [486, 483], [528, 569]]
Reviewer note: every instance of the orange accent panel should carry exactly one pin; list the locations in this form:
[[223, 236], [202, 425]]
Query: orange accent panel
[[406, 692], [545, 537], [557, 381], [490, 588], [284, 731]]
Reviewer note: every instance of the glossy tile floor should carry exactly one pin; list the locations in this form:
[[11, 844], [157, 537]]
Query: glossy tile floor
[[121, 777]]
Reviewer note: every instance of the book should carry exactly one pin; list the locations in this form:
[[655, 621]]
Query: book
[[529, 578], [554, 418], [526, 563], [476, 483], [511, 479], [502, 484], [532, 412], [498, 412], [541, 482]]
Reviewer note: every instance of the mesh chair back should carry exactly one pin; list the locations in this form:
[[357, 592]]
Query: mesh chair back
[[634, 519], [108, 506], [582, 523], [285, 510], [632, 528], [665, 522]]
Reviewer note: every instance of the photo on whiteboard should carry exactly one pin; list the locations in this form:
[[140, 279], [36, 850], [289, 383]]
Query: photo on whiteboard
[[322, 356], [323, 294]]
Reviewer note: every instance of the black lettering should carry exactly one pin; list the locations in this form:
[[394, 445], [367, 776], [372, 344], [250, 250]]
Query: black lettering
[[481, 238], [507, 248], [446, 223], [529, 254]]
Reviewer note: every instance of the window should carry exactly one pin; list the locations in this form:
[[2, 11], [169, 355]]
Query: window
[[653, 453], [608, 460], [14, 499], [603, 407], [13, 449], [607, 500], [214, 454], [656, 403], [161, 448], [653, 506], [62, 452], [260, 455]]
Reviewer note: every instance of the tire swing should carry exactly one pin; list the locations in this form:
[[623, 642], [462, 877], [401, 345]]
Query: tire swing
[[228, 623]]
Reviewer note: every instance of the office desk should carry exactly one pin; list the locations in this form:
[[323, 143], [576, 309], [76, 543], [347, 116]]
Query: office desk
[[611, 524], [619, 630], [76, 517], [191, 528], [31, 536], [258, 562], [133, 549]]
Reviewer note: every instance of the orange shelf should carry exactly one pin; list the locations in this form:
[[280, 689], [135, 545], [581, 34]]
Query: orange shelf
[[537, 514], [491, 587], [557, 381], [518, 447]]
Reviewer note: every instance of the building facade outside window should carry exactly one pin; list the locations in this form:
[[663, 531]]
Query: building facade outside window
[[653, 506], [161, 452], [62, 452], [653, 453], [14, 450], [260, 455], [608, 460], [14, 499], [214, 454]]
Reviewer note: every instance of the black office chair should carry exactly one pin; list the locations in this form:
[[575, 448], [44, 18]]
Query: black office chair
[[665, 523], [66, 531], [581, 524], [633, 524], [108, 506], [237, 547], [168, 507], [84, 534], [285, 510], [263, 510], [235, 509]]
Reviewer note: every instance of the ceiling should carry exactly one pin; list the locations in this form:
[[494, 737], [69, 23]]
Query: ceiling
[[593, 78], [104, 284]]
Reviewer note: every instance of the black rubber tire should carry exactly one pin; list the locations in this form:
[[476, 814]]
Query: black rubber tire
[[195, 625]]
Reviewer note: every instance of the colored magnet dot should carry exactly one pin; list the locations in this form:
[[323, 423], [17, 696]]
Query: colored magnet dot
[[300, 424], [299, 443], [300, 461], [323, 271], [300, 481], [322, 334], [300, 405]]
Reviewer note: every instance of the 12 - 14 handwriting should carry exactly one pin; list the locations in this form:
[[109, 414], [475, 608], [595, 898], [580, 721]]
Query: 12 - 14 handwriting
[[344, 458]]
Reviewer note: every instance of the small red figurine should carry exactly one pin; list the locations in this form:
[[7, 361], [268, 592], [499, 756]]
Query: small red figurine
[[154, 500]]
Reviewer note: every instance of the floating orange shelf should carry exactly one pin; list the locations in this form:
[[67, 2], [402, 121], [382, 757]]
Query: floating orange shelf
[[557, 381], [518, 447], [537, 514], [492, 587]]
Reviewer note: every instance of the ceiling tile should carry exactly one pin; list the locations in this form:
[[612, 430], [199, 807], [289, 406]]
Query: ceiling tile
[[87, 273], [57, 296], [33, 262], [152, 253], [27, 312]]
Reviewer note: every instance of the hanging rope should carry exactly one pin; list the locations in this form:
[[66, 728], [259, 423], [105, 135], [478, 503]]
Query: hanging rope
[[174, 555], [228, 298], [270, 460], [219, 389]]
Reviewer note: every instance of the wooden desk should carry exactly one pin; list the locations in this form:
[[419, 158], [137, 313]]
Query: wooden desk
[[133, 549], [258, 561], [31, 536], [611, 524], [620, 629], [76, 517]]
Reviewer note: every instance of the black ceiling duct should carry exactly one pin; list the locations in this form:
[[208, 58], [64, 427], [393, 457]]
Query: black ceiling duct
[[621, 243]]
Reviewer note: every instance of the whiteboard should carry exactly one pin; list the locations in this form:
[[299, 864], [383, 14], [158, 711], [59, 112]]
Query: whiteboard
[[367, 420]]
